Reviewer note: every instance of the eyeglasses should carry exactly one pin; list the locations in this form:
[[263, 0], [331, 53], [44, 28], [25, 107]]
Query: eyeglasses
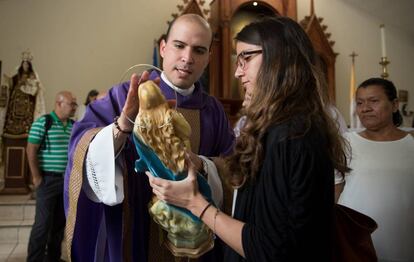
[[73, 104], [245, 56]]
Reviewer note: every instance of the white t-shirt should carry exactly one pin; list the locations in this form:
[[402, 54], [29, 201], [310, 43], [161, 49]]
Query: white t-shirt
[[381, 185]]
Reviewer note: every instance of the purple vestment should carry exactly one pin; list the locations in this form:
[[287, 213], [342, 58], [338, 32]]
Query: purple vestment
[[216, 139]]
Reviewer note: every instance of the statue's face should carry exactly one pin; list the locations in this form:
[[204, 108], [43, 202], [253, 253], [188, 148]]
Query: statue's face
[[25, 66]]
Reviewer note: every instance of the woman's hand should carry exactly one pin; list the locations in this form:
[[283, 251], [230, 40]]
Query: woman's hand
[[194, 160], [182, 193]]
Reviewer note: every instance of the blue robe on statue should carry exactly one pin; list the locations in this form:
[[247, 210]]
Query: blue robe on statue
[[100, 225]]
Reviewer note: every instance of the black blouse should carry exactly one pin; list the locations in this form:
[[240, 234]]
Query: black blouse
[[288, 209]]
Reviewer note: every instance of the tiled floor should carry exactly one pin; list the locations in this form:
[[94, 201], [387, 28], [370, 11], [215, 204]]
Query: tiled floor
[[13, 252], [17, 252], [16, 218]]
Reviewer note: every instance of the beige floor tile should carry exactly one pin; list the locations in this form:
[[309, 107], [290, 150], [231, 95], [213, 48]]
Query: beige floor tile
[[3, 258], [6, 248], [16, 259], [19, 253]]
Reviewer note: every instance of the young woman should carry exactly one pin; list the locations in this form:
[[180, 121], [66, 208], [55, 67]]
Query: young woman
[[284, 159]]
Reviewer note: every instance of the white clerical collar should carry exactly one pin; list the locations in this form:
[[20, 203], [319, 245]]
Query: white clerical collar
[[183, 92]]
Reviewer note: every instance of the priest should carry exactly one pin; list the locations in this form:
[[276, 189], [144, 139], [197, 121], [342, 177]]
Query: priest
[[106, 201]]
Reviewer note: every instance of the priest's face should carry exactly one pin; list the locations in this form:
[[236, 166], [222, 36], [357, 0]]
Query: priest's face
[[186, 52]]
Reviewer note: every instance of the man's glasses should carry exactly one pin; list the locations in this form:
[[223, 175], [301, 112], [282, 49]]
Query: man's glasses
[[245, 56], [73, 104]]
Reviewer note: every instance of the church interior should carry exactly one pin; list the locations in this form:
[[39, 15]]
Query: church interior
[[84, 45]]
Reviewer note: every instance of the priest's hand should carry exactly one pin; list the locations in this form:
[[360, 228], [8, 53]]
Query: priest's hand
[[130, 109]]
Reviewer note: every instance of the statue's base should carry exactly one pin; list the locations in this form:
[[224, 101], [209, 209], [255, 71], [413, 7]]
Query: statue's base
[[16, 169], [191, 252]]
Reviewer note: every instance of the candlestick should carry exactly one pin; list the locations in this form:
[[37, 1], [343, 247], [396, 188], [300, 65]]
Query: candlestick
[[384, 62], [383, 48]]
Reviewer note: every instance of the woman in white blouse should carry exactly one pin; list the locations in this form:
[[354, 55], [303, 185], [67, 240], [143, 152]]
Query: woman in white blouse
[[381, 184]]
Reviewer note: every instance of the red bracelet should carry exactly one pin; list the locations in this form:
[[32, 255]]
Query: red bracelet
[[204, 210], [119, 128]]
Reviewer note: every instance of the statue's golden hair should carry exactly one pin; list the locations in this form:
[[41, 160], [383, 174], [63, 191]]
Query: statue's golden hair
[[162, 128]]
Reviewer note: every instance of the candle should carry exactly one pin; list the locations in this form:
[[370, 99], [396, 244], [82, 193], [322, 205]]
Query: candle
[[383, 49]]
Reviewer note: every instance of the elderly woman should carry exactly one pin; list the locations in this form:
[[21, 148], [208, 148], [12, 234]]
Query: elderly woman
[[382, 179]]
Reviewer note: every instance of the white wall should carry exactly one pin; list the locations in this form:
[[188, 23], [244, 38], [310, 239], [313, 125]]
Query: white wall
[[82, 45]]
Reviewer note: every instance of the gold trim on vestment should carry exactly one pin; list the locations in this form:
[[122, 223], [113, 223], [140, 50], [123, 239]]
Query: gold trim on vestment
[[76, 174], [75, 186]]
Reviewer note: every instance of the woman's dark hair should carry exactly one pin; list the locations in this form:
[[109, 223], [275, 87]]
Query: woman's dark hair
[[91, 93], [389, 90], [289, 85]]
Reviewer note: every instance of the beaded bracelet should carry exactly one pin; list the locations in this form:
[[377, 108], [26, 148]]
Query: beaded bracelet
[[127, 117], [204, 210], [119, 128], [214, 224]]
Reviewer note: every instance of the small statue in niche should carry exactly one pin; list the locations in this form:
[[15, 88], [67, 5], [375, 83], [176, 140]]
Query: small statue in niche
[[26, 99], [162, 137]]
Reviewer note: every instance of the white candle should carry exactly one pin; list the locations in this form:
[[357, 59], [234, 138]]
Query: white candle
[[383, 49]]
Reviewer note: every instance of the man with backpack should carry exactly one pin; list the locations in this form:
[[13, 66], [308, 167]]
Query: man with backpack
[[47, 153]]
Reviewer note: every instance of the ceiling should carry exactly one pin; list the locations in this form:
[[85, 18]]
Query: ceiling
[[398, 13]]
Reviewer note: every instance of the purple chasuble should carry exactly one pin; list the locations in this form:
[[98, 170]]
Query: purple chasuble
[[101, 225]]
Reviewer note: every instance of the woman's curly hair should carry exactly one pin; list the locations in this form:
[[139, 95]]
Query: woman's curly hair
[[289, 85]]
